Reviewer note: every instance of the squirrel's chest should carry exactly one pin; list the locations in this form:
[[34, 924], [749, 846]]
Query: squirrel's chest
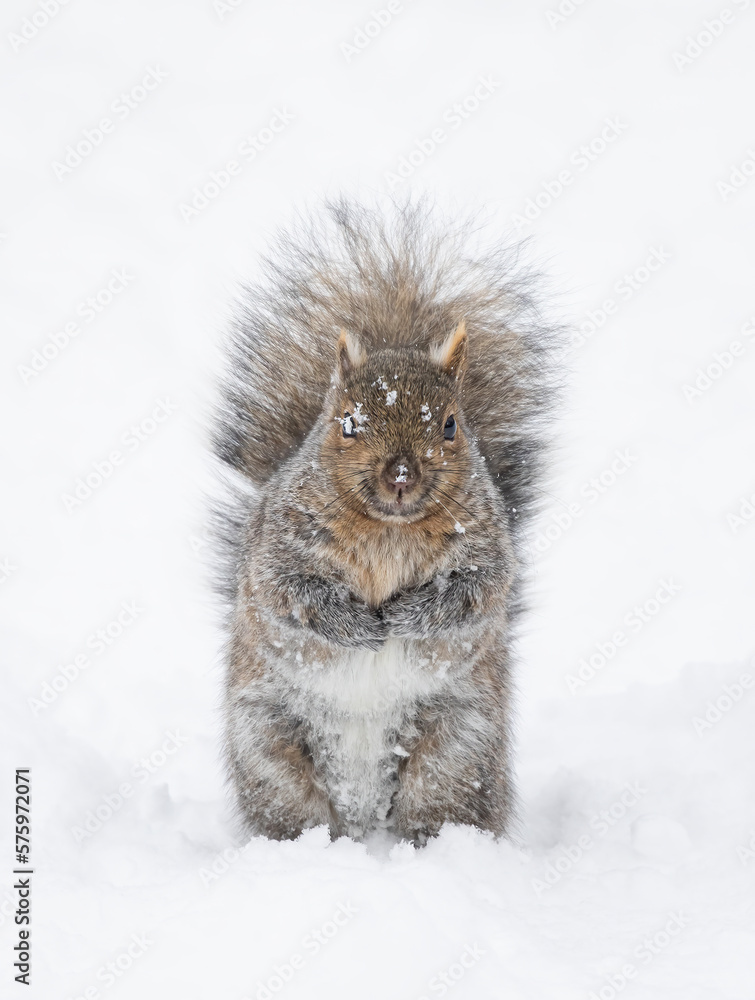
[[380, 563]]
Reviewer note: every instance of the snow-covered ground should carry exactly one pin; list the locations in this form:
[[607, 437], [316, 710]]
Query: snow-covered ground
[[616, 135]]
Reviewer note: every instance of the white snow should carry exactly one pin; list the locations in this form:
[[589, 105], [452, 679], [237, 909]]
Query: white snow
[[352, 422], [360, 417], [347, 423], [632, 869]]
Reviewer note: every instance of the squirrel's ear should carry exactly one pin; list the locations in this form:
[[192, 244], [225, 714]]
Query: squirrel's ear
[[451, 355], [350, 354]]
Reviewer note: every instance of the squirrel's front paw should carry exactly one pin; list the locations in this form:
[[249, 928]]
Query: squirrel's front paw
[[350, 623], [406, 614], [371, 629]]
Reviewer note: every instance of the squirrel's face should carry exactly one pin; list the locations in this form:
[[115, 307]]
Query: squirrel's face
[[396, 444]]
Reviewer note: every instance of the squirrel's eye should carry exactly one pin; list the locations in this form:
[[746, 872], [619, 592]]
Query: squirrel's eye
[[348, 425], [449, 430]]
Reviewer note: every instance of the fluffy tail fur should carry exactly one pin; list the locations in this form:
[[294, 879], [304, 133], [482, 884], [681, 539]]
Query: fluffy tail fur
[[405, 278]]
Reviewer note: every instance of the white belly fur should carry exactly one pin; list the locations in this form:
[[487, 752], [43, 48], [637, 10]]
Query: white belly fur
[[359, 705], [370, 681]]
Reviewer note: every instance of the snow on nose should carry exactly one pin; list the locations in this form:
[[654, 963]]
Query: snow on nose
[[401, 475]]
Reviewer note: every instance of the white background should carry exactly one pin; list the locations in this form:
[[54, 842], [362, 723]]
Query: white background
[[680, 847]]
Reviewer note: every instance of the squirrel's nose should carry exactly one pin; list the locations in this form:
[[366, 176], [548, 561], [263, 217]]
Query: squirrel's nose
[[401, 474]]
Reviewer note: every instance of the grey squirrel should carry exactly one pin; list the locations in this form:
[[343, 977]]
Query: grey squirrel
[[385, 403]]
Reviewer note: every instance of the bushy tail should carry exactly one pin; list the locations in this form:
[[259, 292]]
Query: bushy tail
[[403, 278]]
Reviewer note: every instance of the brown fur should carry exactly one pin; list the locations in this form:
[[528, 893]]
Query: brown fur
[[387, 408]]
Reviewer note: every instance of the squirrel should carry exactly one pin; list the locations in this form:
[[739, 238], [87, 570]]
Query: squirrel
[[385, 411]]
